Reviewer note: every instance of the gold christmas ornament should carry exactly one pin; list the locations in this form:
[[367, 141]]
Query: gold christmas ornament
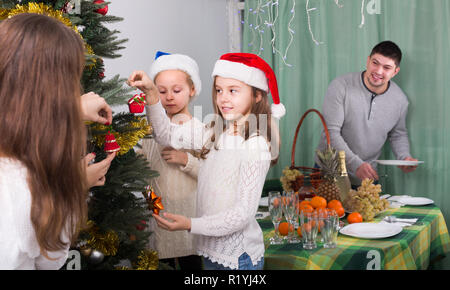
[[107, 243], [147, 260]]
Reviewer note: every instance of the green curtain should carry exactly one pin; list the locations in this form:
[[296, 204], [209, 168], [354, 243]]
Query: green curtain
[[420, 28]]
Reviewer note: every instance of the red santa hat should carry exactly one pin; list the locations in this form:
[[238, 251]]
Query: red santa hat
[[254, 71]]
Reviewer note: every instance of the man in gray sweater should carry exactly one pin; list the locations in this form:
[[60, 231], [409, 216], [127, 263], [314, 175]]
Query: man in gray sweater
[[363, 110]]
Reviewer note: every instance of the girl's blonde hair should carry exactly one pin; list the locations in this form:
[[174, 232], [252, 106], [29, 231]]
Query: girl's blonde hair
[[41, 63]]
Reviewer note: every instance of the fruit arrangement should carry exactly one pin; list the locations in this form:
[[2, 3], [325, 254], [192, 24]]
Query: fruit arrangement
[[366, 200], [319, 203], [289, 178]]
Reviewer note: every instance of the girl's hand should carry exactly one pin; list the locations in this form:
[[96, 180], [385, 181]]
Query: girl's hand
[[94, 108], [139, 79], [174, 222], [96, 172], [173, 156]]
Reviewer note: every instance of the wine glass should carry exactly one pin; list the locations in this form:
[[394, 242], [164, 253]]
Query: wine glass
[[290, 206], [276, 213]]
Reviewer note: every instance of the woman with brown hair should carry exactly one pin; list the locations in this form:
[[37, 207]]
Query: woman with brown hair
[[43, 184]]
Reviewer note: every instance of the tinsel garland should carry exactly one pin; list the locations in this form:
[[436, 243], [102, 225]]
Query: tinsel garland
[[139, 128], [147, 260], [41, 8], [107, 243]]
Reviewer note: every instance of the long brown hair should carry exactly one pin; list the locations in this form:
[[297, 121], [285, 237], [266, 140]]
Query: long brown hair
[[41, 62], [265, 129]]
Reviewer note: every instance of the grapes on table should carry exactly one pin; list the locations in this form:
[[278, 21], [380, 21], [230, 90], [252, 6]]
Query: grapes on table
[[289, 176], [366, 200]]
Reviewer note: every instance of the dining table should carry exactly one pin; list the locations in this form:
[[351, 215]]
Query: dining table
[[414, 248]]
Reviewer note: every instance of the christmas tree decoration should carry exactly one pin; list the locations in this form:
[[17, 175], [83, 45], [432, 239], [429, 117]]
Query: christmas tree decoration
[[128, 129], [103, 10], [153, 201], [111, 145], [96, 257], [137, 103], [147, 260]]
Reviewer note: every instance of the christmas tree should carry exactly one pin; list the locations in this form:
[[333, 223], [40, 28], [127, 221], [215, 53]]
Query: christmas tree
[[116, 231]]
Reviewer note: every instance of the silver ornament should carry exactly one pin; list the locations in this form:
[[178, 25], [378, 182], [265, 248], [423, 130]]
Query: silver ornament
[[96, 257]]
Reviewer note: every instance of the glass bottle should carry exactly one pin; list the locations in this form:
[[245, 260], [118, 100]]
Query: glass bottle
[[307, 191], [343, 182]]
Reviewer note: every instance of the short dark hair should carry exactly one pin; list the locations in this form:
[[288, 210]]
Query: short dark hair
[[388, 49]]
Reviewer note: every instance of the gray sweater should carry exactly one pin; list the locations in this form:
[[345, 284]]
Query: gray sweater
[[360, 122]]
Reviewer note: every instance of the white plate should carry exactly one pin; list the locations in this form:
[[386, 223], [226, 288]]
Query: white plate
[[399, 162], [264, 201], [371, 230], [410, 200]]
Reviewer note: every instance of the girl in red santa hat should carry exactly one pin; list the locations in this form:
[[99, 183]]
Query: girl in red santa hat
[[238, 147]]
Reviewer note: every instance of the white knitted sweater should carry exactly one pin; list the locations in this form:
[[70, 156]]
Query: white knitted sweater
[[230, 182], [19, 248]]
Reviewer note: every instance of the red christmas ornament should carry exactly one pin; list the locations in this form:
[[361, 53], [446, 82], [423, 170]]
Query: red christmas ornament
[[101, 75], [141, 226], [137, 103], [103, 10], [111, 143]]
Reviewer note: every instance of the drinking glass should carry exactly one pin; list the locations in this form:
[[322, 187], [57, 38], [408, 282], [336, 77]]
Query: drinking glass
[[329, 226], [276, 213], [310, 224]]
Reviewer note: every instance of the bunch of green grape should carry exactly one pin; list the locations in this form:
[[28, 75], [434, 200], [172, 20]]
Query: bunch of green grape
[[289, 175], [366, 200]]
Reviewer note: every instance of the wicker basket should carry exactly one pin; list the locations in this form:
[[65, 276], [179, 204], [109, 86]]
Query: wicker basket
[[314, 174]]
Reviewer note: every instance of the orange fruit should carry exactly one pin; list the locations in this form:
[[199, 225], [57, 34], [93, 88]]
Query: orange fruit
[[355, 217], [340, 211], [299, 231], [306, 208], [318, 202], [334, 203], [284, 228], [307, 227], [276, 202], [305, 202]]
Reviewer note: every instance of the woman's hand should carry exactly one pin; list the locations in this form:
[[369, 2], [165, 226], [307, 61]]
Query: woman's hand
[[174, 222], [95, 173], [94, 108], [173, 156], [139, 79]]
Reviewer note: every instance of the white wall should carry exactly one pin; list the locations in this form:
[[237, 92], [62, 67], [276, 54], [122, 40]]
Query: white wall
[[197, 28]]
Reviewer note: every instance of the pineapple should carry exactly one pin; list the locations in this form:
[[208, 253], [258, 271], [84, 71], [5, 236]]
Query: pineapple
[[329, 164]]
